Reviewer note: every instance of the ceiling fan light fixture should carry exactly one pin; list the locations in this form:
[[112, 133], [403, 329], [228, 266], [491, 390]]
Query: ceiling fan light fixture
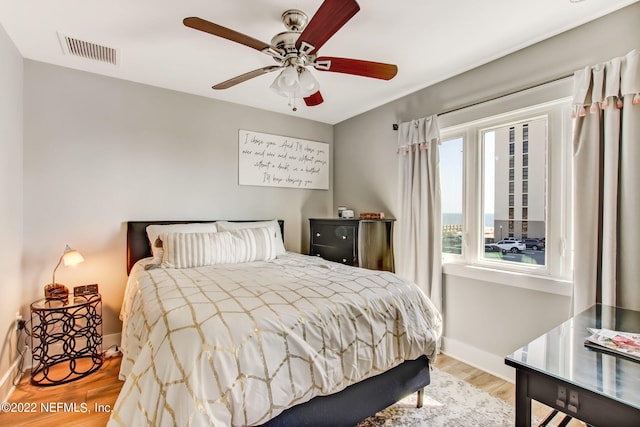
[[288, 79], [308, 82], [295, 82]]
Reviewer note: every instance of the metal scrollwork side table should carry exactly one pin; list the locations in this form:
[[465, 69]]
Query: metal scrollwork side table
[[67, 333]]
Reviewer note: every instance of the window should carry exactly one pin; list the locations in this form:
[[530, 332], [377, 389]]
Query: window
[[501, 199]]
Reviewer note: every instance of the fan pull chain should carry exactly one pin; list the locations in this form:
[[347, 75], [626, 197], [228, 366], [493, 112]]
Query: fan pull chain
[[292, 103]]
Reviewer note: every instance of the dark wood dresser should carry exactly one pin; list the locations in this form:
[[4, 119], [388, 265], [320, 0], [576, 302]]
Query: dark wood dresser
[[366, 243]]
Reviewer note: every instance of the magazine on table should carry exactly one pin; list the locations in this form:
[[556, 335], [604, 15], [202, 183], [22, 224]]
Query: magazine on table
[[615, 342]]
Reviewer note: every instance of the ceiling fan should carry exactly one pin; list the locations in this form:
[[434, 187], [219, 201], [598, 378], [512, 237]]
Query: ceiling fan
[[297, 49]]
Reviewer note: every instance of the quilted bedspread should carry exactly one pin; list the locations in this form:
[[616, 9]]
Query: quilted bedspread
[[236, 344]]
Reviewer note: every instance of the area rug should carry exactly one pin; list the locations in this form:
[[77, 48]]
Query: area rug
[[448, 401]]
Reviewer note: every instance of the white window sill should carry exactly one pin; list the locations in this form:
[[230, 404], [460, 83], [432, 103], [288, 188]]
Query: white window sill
[[522, 280]]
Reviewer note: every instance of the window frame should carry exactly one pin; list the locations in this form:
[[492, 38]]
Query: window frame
[[555, 275]]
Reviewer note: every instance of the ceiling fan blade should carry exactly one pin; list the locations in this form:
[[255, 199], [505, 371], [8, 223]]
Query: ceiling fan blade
[[314, 99], [246, 76], [329, 18], [229, 34], [376, 70]]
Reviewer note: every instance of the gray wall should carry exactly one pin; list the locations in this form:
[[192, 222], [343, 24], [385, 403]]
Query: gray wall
[[100, 151], [11, 69], [484, 321]]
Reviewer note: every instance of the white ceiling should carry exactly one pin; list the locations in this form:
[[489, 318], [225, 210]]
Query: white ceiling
[[429, 40]]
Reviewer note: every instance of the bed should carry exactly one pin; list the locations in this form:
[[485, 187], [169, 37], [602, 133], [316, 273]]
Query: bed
[[284, 340]]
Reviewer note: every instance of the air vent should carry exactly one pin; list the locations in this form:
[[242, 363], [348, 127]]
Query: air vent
[[84, 49]]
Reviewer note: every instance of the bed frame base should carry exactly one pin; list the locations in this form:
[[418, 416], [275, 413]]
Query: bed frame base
[[360, 400]]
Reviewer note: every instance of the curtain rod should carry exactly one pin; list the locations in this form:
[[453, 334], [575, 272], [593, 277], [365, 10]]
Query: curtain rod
[[473, 104]]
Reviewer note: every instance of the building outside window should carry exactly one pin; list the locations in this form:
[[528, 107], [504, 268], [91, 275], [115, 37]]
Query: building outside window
[[514, 192]]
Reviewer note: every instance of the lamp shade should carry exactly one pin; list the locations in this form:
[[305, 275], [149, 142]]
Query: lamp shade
[[71, 257]]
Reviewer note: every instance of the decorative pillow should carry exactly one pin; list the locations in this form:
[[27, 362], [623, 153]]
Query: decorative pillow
[[273, 225], [154, 231], [185, 250]]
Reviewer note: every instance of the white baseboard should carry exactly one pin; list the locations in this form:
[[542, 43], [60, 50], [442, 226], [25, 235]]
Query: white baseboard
[[478, 358], [111, 340], [6, 383]]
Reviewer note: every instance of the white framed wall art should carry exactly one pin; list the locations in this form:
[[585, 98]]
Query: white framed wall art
[[282, 161]]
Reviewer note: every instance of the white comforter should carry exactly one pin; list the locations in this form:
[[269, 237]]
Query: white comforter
[[237, 344]]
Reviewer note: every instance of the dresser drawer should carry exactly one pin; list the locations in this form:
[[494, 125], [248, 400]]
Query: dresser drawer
[[334, 235], [337, 254]]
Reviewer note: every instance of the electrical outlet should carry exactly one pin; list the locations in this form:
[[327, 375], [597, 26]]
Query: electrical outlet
[[19, 321]]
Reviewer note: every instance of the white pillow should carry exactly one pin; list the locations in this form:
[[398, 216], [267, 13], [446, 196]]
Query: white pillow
[[273, 225], [154, 231], [186, 250]]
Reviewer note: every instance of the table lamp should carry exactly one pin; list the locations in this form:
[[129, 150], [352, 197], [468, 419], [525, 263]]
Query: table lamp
[[53, 290]]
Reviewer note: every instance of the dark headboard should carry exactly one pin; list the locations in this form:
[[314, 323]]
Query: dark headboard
[[138, 242]]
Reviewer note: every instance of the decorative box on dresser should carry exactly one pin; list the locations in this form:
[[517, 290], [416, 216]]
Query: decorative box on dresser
[[366, 243]]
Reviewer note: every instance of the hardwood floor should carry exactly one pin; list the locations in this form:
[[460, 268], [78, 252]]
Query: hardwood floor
[[91, 397], [97, 392]]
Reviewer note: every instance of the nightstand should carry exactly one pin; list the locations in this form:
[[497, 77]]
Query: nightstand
[[67, 336], [366, 243]]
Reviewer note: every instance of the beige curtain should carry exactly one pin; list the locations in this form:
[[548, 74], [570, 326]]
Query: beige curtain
[[419, 225], [606, 144]]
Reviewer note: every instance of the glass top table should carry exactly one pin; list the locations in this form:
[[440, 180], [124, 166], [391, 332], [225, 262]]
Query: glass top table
[[558, 370]]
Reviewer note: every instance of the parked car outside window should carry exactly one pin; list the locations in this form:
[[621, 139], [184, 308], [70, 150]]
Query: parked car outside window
[[511, 246], [535, 244]]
